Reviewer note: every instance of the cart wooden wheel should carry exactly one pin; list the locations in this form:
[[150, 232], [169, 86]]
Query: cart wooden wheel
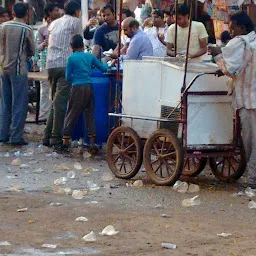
[[229, 169], [163, 157], [193, 166], [124, 152]]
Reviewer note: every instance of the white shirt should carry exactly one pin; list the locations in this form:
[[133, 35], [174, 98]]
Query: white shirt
[[198, 32], [60, 34], [239, 59], [159, 49]]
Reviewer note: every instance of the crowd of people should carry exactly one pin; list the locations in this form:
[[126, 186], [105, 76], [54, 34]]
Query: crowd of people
[[58, 48]]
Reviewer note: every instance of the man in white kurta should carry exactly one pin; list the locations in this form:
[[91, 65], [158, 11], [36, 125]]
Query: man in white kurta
[[238, 61]]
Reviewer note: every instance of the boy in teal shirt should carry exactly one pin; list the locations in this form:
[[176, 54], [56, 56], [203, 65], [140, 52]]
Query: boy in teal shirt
[[78, 72]]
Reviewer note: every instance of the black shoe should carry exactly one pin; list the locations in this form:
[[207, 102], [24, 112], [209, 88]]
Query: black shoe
[[3, 142], [46, 142], [22, 142], [94, 150]]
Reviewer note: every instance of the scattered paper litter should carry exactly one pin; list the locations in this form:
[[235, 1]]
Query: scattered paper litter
[[181, 187], [224, 234], [138, 183], [86, 155], [61, 181], [78, 166], [109, 231], [24, 166], [194, 201], [193, 188], [16, 187], [81, 219], [39, 170], [22, 210], [168, 246], [91, 237], [165, 215], [250, 192], [4, 243], [252, 205], [52, 246], [71, 175], [16, 162], [55, 204], [78, 194]]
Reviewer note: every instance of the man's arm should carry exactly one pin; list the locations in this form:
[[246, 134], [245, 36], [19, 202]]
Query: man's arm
[[99, 65], [170, 51], [88, 35], [41, 44], [97, 43], [133, 50], [203, 48], [77, 27], [232, 59], [68, 75], [30, 44]]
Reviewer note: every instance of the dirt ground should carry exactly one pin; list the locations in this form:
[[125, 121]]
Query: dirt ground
[[135, 212]]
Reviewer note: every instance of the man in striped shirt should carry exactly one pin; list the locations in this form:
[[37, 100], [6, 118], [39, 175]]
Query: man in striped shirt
[[60, 34], [17, 46], [238, 61]]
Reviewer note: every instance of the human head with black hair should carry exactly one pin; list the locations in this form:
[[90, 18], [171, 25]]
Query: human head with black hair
[[225, 37], [108, 14], [183, 16], [72, 8], [4, 15], [127, 13], [51, 12], [168, 17], [158, 18], [20, 10], [77, 43], [240, 24], [130, 26]]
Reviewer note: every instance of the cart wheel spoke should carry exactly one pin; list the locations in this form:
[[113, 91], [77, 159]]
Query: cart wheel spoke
[[163, 144], [122, 164], [126, 149], [155, 161], [116, 159], [169, 155], [156, 150], [158, 167]]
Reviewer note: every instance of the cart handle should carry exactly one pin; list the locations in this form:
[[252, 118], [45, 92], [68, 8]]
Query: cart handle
[[185, 90]]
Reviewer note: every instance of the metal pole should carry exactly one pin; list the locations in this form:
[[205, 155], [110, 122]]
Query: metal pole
[[176, 28], [118, 77], [188, 44], [84, 8]]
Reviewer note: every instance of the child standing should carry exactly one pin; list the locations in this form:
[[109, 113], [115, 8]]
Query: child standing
[[78, 72]]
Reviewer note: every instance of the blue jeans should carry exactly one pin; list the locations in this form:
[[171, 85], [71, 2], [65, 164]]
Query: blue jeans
[[14, 104]]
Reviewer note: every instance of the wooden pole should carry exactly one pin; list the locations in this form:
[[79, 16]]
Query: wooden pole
[[188, 44], [118, 77], [176, 27]]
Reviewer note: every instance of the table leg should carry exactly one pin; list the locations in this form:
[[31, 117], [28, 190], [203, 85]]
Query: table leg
[[37, 86]]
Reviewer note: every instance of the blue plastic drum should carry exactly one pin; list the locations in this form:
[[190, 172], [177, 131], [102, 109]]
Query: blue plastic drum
[[101, 88]]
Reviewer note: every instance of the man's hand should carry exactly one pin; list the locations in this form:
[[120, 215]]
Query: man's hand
[[214, 51], [113, 56], [92, 22], [219, 73], [45, 43]]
